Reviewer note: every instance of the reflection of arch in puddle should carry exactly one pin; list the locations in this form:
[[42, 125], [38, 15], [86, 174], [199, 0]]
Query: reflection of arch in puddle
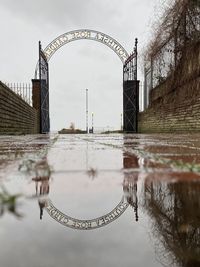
[[86, 224], [129, 198]]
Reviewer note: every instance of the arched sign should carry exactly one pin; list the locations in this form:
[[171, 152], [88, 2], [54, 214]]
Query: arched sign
[[87, 35], [130, 83], [86, 224]]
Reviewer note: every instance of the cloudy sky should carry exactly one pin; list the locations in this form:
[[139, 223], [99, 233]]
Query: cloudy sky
[[77, 65]]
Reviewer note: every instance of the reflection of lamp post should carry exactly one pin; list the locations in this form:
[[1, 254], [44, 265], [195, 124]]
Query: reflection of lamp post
[[92, 122], [86, 110]]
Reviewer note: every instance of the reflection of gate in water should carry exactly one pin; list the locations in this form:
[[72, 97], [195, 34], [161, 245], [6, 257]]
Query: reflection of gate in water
[[129, 197], [130, 181]]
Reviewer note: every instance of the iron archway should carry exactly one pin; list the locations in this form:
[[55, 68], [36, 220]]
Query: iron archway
[[84, 34], [130, 84]]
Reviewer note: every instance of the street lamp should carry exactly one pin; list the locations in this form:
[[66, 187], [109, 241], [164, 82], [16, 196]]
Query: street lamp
[[92, 122], [86, 110], [121, 122]]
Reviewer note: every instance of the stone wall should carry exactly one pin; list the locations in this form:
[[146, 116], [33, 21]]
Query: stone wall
[[175, 104], [16, 116]]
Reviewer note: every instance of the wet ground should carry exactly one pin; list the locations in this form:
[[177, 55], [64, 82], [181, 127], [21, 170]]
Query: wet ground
[[100, 200]]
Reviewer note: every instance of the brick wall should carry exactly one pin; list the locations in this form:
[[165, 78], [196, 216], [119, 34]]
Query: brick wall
[[16, 116], [175, 104]]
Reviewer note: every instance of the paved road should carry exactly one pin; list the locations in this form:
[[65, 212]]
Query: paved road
[[166, 156]]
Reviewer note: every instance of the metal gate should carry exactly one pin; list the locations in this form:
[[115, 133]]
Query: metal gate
[[44, 92], [130, 93]]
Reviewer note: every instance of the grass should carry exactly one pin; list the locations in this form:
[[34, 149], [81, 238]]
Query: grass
[[8, 202]]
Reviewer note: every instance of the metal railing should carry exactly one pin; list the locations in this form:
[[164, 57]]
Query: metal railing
[[24, 90], [165, 59]]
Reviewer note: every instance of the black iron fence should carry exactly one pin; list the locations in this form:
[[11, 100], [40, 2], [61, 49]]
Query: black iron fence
[[179, 30], [24, 90]]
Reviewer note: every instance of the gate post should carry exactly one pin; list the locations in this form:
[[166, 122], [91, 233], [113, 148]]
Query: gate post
[[44, 91], [36, 99], [131, 93], [130, 106]]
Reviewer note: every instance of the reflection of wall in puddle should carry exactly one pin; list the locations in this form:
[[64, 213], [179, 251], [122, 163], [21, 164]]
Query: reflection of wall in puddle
[[175, 212]]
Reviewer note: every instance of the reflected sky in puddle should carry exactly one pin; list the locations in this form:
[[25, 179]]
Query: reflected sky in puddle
[[138, 213]]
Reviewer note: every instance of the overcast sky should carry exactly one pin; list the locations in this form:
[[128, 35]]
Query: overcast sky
[[77, 65]]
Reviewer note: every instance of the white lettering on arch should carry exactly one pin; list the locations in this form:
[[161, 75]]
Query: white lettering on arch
[[89, 35]]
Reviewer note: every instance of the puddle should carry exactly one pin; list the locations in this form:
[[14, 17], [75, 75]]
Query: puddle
[[94, 200]]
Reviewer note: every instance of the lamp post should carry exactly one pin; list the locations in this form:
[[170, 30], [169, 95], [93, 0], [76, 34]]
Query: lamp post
[[92, 122], [86, 110], [121, 122]]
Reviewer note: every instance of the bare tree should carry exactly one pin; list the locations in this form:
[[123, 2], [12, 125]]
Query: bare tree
[[178, 29]]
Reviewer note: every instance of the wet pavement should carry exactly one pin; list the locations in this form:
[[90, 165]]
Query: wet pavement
[[100, 200]]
